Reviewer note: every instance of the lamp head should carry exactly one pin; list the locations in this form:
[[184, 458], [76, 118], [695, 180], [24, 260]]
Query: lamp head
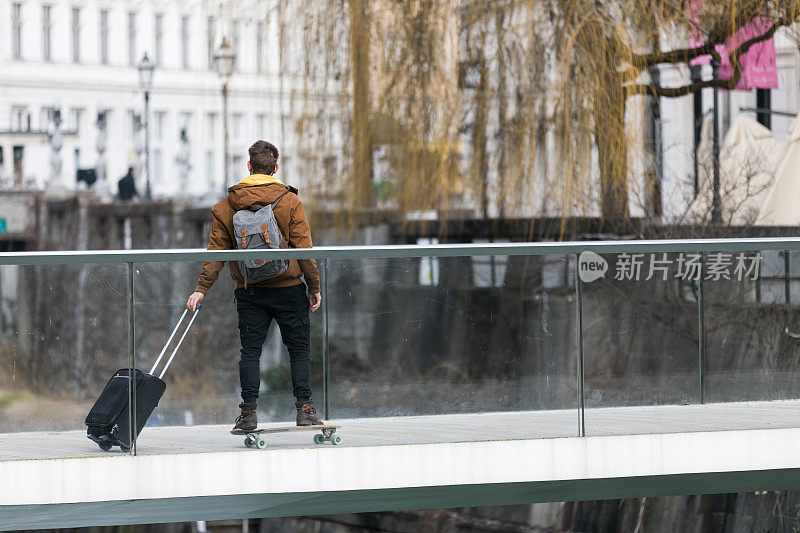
[[224, 58], [146, 68]]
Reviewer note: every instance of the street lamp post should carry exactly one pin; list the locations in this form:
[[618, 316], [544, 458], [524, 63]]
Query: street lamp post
[[224, 58], [146, 68], [100, 166], [716, 201]]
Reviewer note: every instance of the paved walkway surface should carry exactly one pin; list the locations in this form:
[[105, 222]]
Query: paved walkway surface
[[427, 429]]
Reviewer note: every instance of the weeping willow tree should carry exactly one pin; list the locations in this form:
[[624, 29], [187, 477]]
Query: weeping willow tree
[[514, 107]]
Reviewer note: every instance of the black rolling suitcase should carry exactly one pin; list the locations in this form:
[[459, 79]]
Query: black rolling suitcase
[[108, 421]]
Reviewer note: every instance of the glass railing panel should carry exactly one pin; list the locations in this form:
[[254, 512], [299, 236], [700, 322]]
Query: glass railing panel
[[434, 336], [203, 385], [753, 333], [666, 337], [64, 333], [640, 334]]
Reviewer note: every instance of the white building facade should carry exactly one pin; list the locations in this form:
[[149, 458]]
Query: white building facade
[[81, 56]]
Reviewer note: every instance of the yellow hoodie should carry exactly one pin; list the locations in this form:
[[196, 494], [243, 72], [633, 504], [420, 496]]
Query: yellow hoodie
[[260, 179]]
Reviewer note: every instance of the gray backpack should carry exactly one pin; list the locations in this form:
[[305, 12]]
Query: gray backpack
[[256, 229]]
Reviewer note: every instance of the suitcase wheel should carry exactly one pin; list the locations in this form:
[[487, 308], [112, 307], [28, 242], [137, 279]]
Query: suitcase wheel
[[105, 444]]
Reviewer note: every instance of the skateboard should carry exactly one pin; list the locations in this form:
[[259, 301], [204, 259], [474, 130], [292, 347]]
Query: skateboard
[[254, 438]]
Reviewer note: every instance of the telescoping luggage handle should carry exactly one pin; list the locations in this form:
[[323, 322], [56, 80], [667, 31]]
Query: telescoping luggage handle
[[164, 349]]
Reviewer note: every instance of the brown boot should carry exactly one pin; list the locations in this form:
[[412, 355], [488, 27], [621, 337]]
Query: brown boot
[[247, 420], [307, 416]]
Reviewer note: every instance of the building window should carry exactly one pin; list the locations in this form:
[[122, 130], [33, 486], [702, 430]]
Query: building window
[[285, 50], [47, 27], [210, 35], [261, 125], [764, 105], [185, 122], [76, 34], [330, 164], [210, 136], [158, 126], [238, 164], [109, 116], [75, 117], [133, 123], [210, 124], [104, 36], [159, 36], [131, 38], [158, 165], [19, 156], [235, 27], [185, 41], [260, 47], [20, 120], [236, 130], [46, 117], [16, 30], [287, 133], [210, 167]]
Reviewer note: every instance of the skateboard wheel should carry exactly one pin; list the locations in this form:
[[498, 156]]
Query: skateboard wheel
[[105, 445], [336, 439], [319, 438], [261, 443], [249, 441]]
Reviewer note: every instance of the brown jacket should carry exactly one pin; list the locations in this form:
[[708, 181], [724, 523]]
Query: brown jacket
[[292, 221]]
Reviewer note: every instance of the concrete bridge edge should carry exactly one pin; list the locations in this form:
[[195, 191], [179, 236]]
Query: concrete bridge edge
[[147, 511]]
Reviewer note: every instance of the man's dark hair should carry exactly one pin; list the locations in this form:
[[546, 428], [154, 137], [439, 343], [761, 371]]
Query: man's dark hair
[[263, 157]]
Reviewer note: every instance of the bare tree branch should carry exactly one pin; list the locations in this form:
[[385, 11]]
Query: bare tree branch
[[728, 84], [683, 55]]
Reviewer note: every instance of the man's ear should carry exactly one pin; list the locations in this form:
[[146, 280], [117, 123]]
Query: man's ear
[[276, 168], [249, 167]]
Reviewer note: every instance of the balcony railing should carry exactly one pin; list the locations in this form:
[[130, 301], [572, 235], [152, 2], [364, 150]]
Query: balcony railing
[[576, 329]]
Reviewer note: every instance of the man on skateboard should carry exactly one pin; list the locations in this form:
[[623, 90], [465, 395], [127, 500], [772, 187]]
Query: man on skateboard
[[284, 297]]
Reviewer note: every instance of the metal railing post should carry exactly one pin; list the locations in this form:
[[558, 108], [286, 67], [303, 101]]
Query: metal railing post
[[701, 311], [326, 366], [131, 362], [581, 383]]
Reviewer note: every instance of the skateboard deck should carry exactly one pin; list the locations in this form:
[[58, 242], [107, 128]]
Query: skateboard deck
[[254, 438]]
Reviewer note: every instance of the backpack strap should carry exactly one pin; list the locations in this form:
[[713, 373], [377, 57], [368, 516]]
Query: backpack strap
[[278, 200]]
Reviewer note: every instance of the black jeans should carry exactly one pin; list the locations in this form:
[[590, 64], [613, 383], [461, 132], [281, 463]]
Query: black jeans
[[257, 306]]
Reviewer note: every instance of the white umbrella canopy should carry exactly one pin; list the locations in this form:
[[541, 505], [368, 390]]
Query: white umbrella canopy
[[782, 205], [749, 157]]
